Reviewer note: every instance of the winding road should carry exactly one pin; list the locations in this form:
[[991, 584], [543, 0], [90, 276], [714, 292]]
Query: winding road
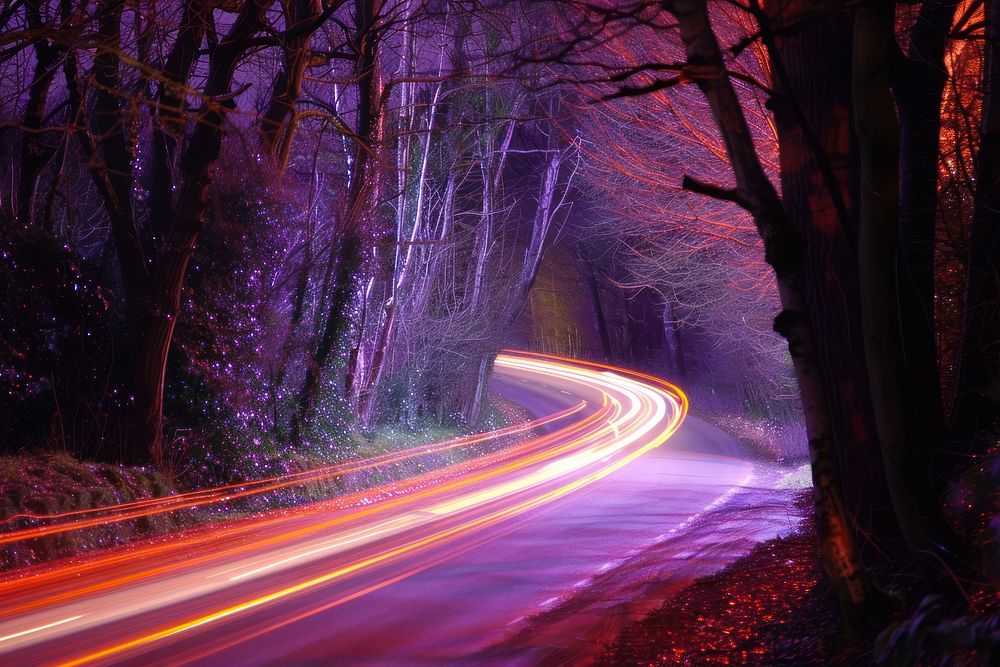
[[436, 570]]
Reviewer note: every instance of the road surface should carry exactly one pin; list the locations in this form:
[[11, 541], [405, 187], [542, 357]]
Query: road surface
[[436, 573]]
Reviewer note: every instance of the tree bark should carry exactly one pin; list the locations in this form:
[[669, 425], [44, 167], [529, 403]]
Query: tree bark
[[399, 276], [809, 45], [491, 166], [358, 220], [473, 401], [163, 305], [545, 213], [113, 176], [288, 84], [598, 307], [35, 151], [673, 342], [171, 114], [904, 455], [784, 252]]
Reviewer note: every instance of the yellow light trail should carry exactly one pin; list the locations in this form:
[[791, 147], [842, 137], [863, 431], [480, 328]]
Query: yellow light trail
[[636, 413]]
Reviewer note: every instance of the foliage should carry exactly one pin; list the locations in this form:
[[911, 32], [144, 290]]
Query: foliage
[[40, 484], [934, 633], [58, 341]]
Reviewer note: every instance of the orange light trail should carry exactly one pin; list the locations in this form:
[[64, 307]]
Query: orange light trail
[[209, 577], [152, 506]]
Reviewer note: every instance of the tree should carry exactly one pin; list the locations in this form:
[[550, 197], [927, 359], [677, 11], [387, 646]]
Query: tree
[[153, 243], [831, 239], [784, 251]]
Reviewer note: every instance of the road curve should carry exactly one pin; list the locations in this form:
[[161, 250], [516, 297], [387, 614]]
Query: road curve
[[352, 577]]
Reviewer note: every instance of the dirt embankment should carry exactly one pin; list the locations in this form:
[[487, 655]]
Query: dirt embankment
[[44, 489], [775, 607], [48, 484]]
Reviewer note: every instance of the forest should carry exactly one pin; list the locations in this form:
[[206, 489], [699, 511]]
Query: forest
[[244, 240]]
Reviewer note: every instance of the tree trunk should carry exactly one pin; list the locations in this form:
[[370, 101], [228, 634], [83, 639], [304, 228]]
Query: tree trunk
[[360, 216], [491, 165], [598, 307], [483, 239], [171, 115], [473, 407], [288, 84], [917, 87], [672, 341], [784, 252], [402, 269], [545, 213], [903, 448], [334, 329], [162, 308], [425, 286], [35, 151], [811, 70]]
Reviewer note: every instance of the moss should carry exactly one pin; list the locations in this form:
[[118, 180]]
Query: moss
[[46, 483]]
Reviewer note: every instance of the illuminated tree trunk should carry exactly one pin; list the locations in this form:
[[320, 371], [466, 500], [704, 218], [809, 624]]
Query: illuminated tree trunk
[[297, 299], [491, 166], [402, 270], [473, 401], [549, 202], [492, 161], [811, 70], [425, 286], [784, 252], [545, 213]]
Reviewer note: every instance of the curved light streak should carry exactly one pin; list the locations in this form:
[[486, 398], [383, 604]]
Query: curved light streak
[[360, 548], [77, 520]]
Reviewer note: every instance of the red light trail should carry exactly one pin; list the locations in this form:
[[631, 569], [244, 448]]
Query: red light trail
[[191, 589]]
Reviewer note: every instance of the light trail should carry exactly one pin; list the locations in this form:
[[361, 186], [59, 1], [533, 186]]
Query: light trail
[[77, 520], [211, 577]]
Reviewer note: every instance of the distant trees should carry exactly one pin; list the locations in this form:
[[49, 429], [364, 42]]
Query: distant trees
[[699, 255]]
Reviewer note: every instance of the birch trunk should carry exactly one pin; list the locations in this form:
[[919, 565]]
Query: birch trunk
[[361, 215]]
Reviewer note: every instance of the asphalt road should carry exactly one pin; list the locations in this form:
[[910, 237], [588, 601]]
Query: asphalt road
[[431, 574]]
